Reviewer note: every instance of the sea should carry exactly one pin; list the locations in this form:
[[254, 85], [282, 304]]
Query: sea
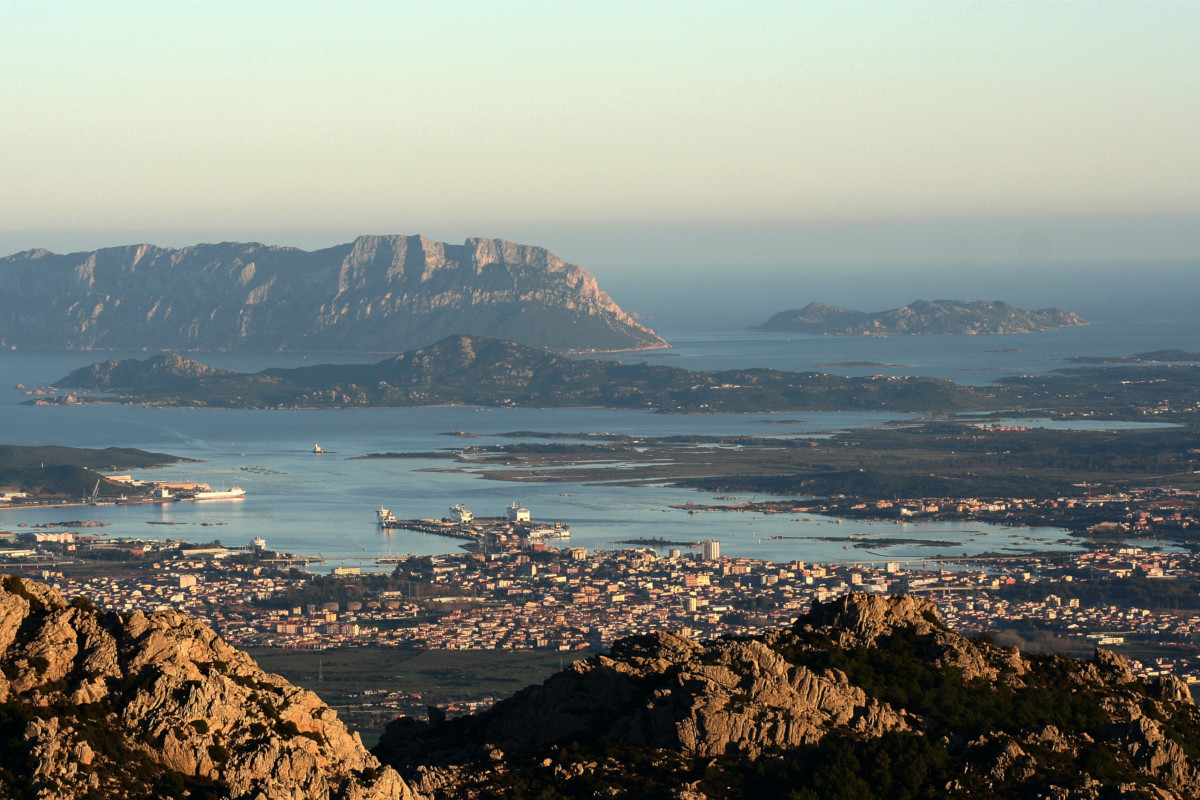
[[324, 505]]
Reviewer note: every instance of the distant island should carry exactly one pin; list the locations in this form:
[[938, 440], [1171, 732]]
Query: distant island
[[381, 294], [922, 317]]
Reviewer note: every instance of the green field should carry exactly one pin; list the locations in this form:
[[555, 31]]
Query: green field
[[441, 677]]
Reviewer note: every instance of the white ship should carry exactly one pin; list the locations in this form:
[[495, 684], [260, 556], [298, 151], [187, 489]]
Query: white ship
[[461, 514], [233, 493], [385, 517]]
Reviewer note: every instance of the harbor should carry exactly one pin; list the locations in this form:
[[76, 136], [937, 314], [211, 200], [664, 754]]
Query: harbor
[[515, 529]]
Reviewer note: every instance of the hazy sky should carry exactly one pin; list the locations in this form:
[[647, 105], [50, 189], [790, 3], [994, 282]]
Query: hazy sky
[[612, 132]]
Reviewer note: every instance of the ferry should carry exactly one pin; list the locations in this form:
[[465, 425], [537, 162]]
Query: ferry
[[386, 518], [233, 493]]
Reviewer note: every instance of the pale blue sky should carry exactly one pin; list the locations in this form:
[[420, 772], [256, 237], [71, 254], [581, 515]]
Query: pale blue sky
[[842, 131]]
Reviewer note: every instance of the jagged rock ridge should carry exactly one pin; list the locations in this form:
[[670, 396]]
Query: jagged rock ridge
[[866, 696], [376, 294], [921, 317], [96, 704]]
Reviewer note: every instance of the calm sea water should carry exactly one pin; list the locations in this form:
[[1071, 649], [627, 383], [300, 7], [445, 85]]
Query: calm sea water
[[324, 504]]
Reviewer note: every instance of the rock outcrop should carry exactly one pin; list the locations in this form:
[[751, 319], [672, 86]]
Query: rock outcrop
[[95, 704], [376, 294], [921, 317], [865, 696]]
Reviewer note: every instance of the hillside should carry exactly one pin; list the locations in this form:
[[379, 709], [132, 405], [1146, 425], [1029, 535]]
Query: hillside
[[477, 371], [375, 294], [53, 471], [866, 696], [922, 317]]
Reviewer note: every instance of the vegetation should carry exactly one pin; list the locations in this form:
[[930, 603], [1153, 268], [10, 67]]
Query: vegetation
[[51, 471]]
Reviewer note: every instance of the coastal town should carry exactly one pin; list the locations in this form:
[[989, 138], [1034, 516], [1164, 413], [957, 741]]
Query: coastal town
[[531, 594]]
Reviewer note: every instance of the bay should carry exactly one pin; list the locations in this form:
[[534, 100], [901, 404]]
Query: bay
[[324, 504]]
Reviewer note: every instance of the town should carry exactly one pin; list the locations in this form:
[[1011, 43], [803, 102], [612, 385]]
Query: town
[[1140, 601]]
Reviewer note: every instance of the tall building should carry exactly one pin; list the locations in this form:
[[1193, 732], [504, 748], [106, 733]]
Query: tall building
[[710, 550]]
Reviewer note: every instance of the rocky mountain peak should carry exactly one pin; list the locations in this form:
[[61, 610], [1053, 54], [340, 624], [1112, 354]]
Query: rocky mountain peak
[[126, 705], [863, 618]]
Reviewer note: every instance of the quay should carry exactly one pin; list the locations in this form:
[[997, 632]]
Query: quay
[[479, 532]]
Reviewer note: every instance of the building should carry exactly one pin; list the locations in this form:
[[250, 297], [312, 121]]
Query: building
[[710, 550]]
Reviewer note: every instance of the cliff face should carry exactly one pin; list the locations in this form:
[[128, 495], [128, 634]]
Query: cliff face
[[378, 293], [95, 704], [866, 696], [922, 317]]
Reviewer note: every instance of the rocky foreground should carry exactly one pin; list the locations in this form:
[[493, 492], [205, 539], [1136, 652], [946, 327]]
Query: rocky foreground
[[100, 705], [375, 294], [867, 696]]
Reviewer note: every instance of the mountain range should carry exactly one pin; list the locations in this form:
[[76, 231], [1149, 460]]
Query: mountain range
[[919, 318], [375, 294]]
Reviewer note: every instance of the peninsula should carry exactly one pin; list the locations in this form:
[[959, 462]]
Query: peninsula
[[470, 370], [922, 317], [35, 473]]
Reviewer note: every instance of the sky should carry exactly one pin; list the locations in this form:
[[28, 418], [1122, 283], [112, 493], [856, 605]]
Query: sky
[[627, 134]]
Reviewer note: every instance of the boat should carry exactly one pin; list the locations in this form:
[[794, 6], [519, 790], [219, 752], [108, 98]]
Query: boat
[[317, 449], [233, 493], [461, 514], [385, 517]]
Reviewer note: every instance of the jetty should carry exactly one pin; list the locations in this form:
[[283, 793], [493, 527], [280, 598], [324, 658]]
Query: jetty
[[479, 532]]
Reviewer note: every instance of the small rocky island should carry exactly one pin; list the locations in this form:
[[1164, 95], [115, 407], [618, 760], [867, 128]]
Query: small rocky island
[[922, 317]]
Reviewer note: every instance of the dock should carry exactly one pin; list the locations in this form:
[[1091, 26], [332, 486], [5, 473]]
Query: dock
[[480, 531]]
